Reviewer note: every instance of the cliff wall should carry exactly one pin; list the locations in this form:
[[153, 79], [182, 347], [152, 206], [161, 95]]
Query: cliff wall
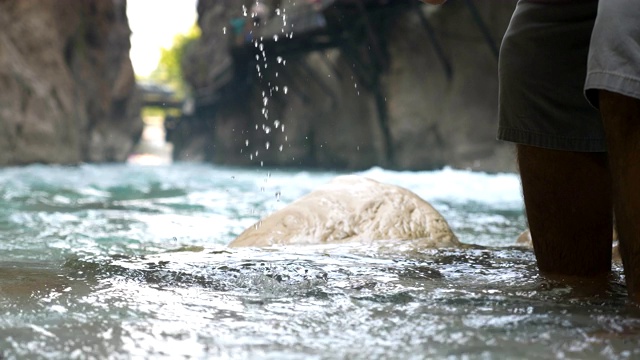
[[67, 88], [410, 115]]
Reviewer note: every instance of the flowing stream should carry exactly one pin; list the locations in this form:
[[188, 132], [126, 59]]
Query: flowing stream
[[119, 262]]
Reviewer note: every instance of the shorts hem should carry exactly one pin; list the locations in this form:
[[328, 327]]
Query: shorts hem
[[551, 142], [618, 83]]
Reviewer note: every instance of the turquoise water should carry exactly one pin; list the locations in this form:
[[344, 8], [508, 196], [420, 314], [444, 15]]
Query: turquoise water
[[116, 261]]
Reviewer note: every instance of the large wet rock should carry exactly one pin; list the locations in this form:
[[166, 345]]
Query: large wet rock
[[352, 209], [67, 85]]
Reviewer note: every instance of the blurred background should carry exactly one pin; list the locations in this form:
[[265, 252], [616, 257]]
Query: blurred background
[[254, 104], [329, 84]]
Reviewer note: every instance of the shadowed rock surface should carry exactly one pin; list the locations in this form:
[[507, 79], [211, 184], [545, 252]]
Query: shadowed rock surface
[[334, 119], [67, 88]]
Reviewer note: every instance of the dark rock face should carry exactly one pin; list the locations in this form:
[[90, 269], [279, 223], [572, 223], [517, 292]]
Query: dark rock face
[[67, 89], [411, 116], [440, 121]]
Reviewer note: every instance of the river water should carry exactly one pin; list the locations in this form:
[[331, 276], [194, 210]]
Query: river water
[[118, 261]]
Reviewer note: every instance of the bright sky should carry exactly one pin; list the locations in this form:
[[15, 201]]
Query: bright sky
[[153, 24]]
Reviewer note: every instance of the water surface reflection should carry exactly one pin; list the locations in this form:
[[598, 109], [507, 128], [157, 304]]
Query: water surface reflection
[[120, 262], [324, 302]]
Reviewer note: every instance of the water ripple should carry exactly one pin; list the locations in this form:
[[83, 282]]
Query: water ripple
[[115, 261]]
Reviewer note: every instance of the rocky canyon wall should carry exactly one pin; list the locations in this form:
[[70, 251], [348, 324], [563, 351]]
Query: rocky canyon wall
[[67, 88], [412, 117]]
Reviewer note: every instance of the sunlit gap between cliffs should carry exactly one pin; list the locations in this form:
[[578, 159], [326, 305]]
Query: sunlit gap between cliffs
[[153, 38]]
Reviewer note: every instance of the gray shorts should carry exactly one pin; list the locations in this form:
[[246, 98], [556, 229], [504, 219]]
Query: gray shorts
[[551, 55]]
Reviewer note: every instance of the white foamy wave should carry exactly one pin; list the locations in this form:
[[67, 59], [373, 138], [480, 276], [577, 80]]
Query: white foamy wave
[[455, 185], [450, 185]]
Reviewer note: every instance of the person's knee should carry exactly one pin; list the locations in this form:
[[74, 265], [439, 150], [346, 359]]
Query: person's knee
[[615, 102]]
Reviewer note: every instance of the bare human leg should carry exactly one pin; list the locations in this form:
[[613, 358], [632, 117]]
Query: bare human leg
[[621, 118], [568, 203]]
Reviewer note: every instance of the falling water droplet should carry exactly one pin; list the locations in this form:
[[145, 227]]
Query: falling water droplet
[[278, 196], [246, 142], [224, 30], [276, 123], [266, 145], [275, 38], [285, 89], [279, 59], [280, 147]]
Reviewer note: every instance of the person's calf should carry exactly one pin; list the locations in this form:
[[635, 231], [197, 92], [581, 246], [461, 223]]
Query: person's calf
[[621, 118], [568, 204]]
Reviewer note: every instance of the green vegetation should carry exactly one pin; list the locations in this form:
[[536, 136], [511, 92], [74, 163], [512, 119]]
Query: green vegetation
[[169, 69], [151, 111]]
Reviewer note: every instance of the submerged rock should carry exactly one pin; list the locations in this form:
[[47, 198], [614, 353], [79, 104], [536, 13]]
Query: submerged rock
[[352, 209], [525, 240]]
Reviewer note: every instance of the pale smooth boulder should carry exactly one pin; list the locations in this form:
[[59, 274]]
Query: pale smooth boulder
[[352, 209]]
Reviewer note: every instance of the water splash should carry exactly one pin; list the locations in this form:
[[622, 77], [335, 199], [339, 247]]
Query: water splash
[[458, 303]]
